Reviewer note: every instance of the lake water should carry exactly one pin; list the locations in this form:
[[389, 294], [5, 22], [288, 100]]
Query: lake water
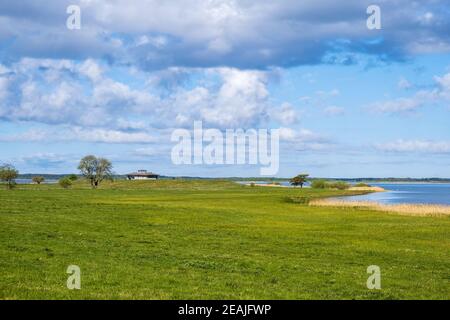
[[28, 181], [429, 193], [283, 183]]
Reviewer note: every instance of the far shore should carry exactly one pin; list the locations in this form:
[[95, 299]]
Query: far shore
[[368, 189]]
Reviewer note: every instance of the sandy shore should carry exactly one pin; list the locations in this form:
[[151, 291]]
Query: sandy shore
[[371, 189], [271, 185]]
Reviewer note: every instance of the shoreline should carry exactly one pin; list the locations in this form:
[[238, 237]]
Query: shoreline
[[409, 209]]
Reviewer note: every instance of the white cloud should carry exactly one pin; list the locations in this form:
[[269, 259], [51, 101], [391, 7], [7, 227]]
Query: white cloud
[[43, 160], [249, 34], [407, 105], [240, 101], [32, 135], [444, 85], [440, 93], [111, 136], [326, 94], [4, 69], [158, 41], [334, 111], [404, 84], [148, 152], [397, 105], [91, 69], [304, 140], [231, 98], [301, 135], [286, 115], [422, 146], [4, 83], [80, 134], [223, 97]]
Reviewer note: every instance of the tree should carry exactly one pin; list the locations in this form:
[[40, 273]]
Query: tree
[[73, 177], [299, 180], [9, 175], [319, 184], [95, 170], [65, 182], [38, 179], [340, 185]]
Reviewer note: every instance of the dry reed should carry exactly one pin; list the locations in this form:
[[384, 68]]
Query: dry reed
[[404, 209]]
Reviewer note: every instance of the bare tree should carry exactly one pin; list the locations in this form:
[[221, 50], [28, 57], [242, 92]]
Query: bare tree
[[95, 170]]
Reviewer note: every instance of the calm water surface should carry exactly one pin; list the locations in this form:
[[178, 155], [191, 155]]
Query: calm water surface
[[429, 193], [28, 181]]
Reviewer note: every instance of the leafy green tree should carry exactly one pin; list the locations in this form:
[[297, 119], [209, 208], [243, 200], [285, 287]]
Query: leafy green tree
[[8, 174], [323, 184], [65, 182], [95, 170], [319, 184], [299, 180], [38, 179], [362, 185], [340, 185], [73, 177]]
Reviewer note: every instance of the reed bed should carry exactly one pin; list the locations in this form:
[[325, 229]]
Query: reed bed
[[404, 209], [371, 189]]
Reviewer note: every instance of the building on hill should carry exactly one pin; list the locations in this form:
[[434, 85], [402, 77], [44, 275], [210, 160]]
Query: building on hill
[[142, 175]]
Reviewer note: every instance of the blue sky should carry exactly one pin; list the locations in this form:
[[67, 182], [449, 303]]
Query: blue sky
[[350, 102]]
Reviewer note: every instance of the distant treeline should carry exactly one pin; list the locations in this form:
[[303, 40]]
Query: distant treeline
[[56, 176], [46, 176], [442, 180], [121, 177]]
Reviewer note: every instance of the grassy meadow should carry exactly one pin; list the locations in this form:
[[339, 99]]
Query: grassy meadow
[[211, 239]]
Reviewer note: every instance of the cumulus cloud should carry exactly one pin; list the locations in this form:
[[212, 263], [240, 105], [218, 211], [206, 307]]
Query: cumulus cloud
[[41, 90], [98, 108], [81, 94], [241, 100], [286, 114], [439, 93], [303, 140], [253, 35]]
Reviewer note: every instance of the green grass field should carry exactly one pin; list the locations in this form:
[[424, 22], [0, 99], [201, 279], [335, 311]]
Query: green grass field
[[212, 240]]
